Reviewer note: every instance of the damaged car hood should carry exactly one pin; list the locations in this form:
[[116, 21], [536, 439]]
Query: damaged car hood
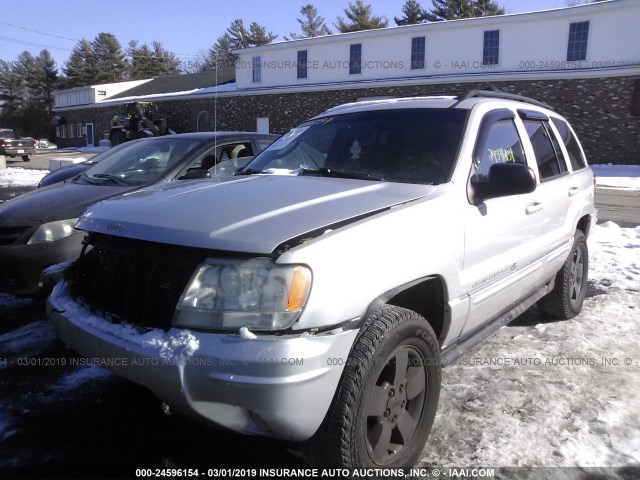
[[252, 214]]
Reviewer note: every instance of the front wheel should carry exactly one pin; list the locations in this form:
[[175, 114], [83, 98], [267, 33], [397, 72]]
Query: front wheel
[[565, 300], [384, 407]]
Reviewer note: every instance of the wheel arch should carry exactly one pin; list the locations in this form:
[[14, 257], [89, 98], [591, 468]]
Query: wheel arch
[[584, 225], [425, 296]]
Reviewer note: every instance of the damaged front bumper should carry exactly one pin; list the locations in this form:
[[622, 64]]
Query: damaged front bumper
[[279, 386]]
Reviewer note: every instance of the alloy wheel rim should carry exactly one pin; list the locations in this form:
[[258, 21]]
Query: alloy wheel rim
[[576, 277], [396, 404]]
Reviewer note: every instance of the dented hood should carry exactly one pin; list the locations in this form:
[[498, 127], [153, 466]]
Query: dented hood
[[252, 214]]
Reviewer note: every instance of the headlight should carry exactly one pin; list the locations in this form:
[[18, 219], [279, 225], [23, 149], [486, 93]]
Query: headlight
[[52, 231], [256, 293]]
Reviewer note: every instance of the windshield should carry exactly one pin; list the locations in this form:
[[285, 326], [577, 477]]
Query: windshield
[[401, 145], [7, 134], [140, 162]]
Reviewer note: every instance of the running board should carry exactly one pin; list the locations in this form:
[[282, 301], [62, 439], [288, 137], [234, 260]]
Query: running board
[[455, 350]]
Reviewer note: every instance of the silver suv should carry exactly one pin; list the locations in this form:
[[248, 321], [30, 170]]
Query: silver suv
[[315, 295]]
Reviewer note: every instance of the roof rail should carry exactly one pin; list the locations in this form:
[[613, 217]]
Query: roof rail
[[474, 93]]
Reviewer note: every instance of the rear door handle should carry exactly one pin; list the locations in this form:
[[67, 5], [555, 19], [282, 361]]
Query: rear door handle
[[573, 191], [533, 208]]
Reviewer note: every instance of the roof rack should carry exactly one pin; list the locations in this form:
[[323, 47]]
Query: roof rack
[[490, 93]]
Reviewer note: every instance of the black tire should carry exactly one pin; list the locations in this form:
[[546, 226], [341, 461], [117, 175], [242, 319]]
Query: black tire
[[116, 138], [565, 300], [26, 158], [382, 414]]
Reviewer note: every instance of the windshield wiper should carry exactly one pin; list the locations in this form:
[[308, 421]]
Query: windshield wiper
[[116, 179], [330, 172]]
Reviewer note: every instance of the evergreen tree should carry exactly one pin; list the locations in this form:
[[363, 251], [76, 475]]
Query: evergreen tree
[[456, 9], [109, 58], [361, 18], [81, 68], [413, 13], [144, 62], [311, 24], [11, 94], [237, 36], [167, 62], [487, 8]]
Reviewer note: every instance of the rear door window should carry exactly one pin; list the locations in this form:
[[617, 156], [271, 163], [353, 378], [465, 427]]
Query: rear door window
[[549, 157], [576, 158]]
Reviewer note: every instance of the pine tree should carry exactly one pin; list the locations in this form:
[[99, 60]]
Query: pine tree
[[237, 36], [456, 9], [166, 61], [81, 68], [311, 24], [361, 18], [413, 13], [11, 94], [109, 58]]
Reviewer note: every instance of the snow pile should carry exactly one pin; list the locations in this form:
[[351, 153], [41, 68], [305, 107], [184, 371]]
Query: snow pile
[[614, 256], [8, 301], [175, 346], [617, 176], [247, 334], [553, 393], [21, 177], [81, 376], [26, 341]]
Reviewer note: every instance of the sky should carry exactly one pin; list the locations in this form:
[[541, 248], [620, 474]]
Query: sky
[[188, 28]]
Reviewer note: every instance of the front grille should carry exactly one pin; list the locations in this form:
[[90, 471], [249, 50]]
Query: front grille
[[9, 235], [132, 281]]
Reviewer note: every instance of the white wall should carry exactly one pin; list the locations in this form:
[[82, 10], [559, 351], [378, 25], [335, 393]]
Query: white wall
[[92, 94], [529, 43]]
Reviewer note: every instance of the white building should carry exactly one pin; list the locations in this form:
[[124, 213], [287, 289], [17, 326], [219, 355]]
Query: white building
[[584, 41]]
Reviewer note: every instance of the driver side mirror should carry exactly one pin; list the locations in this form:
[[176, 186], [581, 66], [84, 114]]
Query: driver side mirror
[[504, 179]]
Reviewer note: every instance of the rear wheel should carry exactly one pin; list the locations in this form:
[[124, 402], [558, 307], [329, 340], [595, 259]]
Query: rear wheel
[[26, 158], [385, 404], [566, 298]]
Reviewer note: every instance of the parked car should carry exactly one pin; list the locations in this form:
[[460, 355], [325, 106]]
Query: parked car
[[10, 146], [37, 228], [69, 172], [43, 143], [315, 296]]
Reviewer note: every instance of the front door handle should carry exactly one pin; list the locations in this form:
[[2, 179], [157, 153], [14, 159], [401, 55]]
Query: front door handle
[[533, 208]]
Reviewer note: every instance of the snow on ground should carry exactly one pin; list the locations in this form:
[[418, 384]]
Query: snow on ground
[[21, 177], [617, 176], [11, 301], [553, 393], [26, 341], [81, 376]]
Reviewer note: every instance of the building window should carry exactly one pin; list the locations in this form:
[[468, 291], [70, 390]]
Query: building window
[[302, 64], [256, 71], [203, 122], [355, 59], [578, 37], [417, 53], [491, 50]]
